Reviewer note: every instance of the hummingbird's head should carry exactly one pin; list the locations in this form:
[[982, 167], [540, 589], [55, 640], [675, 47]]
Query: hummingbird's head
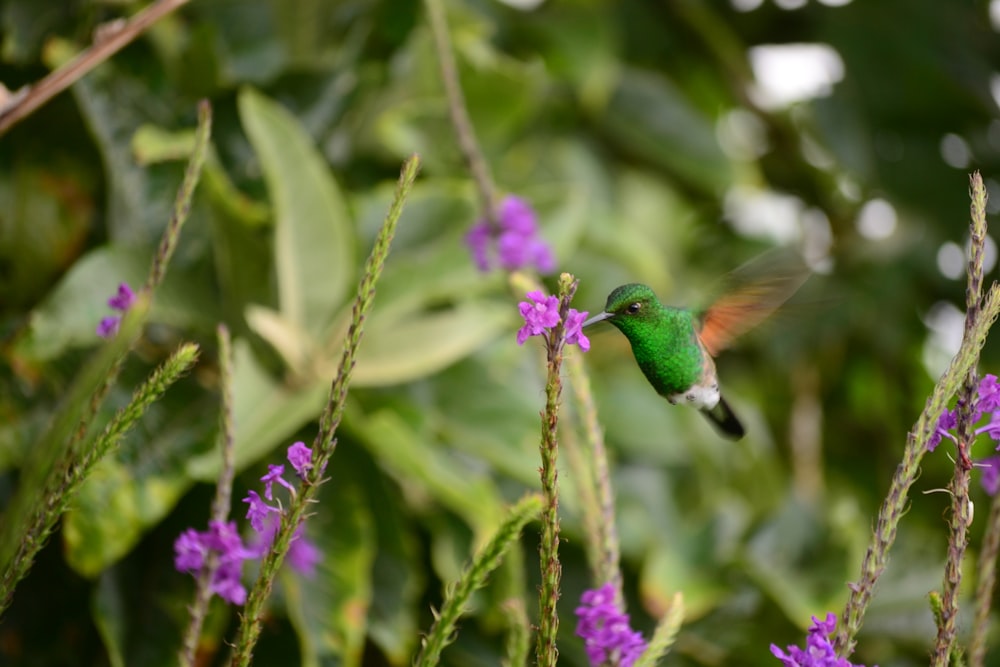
[[628, 305]]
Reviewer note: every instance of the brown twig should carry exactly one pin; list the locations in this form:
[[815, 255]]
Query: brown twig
[[108, 40]]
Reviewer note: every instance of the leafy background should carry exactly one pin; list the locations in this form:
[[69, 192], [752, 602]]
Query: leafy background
[[639, 133]]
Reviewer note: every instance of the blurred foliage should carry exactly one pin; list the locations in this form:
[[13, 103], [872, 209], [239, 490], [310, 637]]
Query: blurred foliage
[[639, 132]]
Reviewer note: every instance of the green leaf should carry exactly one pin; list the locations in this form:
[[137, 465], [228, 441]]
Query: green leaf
[[314, 241], [397, 351], [68, 316], [111, 512], [412, 460]]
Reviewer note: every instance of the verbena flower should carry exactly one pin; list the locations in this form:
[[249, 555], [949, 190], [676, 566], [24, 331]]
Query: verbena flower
[[123, 298], [990, 478], [258, 510], [541, 313], [121, 301], [265, 519], [300, 457], [605, 629], [515, 243], [985, 402], [818, 651], [192, 548], [303, 555], [574, 332], [274, 474]]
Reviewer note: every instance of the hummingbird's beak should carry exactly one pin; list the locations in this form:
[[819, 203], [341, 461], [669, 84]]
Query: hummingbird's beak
[[600, 317]]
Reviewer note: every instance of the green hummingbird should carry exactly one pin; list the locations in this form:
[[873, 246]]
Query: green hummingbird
[[675, 346]]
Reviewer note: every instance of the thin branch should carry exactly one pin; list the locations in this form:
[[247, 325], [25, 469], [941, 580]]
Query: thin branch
[[109, 39]]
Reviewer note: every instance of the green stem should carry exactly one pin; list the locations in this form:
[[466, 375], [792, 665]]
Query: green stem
[[664, 634], [958, 537], [458, 110], [223, 495], [894, 506], [608, 556], [474, 577], [325, 442], [546, 652]]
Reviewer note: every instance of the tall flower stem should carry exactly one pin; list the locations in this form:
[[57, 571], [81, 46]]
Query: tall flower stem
[[605, 541], [62, 458], [474, 577], [546, 653], [458, 111], [894, 506], [223, 494], [325, 442], [958, 537]]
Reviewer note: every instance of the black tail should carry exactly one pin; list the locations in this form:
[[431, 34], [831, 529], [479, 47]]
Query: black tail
[[724, 421]]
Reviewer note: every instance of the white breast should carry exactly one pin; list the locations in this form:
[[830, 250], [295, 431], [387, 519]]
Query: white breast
[[703, 397]]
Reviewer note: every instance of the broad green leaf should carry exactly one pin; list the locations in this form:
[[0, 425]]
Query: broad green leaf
[[314, 240], [396, 351], [68, 316], [294, 345], [412, 459], [112, 511]]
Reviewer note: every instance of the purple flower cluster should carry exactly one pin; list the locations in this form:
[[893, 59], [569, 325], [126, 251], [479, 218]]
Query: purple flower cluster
[[192, 547], [541, 313], [121, 301], [515, 244], [605, 629], [818, 652], [986, 403]]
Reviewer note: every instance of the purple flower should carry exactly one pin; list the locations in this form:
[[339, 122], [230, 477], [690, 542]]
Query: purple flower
[[303, 554], [300, 457], [258, 510], [108, 326], [605, 629], [574, 333], [985, 403], [274, 474], [818, 652], [192, 548], [517, 241], [478, 239], [540, 313], [123, 299], [991, 474]]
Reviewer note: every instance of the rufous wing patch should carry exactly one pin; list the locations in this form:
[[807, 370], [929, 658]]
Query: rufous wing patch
[[735, 313]]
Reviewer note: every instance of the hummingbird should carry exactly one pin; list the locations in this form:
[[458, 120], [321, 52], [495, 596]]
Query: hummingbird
[[675, 347]]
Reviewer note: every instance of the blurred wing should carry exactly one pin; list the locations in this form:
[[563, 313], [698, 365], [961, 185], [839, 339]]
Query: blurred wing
[[747, 306]]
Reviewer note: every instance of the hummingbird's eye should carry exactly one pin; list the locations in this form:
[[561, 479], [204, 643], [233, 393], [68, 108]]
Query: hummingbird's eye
[[633, 308]]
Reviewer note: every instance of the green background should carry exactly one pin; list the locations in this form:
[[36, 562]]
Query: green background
[[632, 127]]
